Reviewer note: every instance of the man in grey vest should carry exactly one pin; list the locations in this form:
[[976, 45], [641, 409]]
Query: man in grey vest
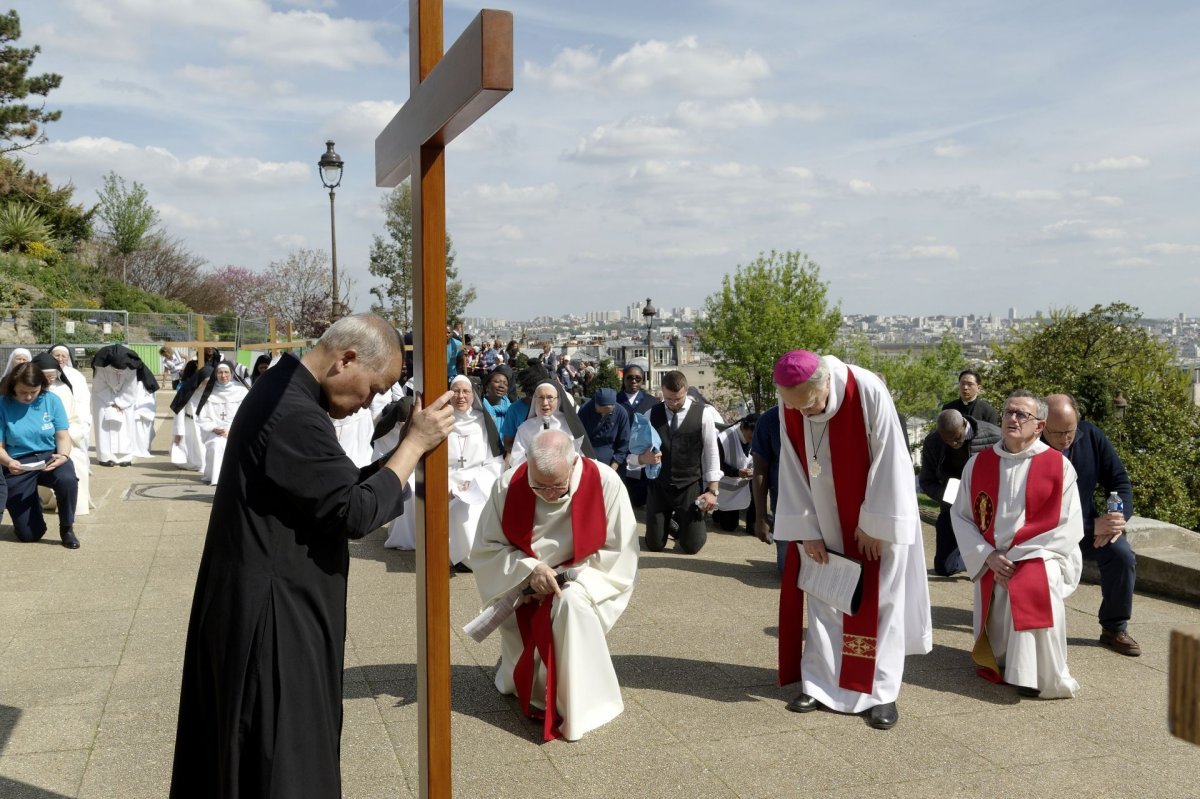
[[687, 485]]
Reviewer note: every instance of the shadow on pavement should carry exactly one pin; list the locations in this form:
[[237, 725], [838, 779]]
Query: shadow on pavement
[[755, 573], [9, 788]]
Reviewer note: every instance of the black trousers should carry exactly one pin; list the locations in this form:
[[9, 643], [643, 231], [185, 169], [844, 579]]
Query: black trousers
[[666, 502], [727, 520], [946, 543], [26, 508]]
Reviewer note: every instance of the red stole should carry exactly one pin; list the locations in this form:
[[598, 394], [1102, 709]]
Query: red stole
[[850, 455], [1028, 588], [589, 529]]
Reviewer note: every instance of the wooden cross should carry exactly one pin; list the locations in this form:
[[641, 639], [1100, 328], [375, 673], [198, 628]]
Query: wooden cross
[[274, 345], [447, 96], [199, 345]]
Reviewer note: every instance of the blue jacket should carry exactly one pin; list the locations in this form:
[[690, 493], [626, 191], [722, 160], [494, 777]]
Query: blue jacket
[[1097, 464], [609, 433]]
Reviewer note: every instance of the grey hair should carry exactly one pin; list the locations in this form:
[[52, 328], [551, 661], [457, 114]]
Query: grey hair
[[375, 341], [550, 450], [819, 375], [1043, 410]]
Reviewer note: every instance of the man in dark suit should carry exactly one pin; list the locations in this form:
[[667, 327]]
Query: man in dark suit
[[1098, 465], [944, 453], [969, 403]]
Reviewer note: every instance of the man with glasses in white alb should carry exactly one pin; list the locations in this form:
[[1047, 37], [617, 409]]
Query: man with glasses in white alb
[[1018, 524]]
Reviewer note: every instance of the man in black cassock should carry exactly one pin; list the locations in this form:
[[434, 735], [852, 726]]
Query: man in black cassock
[[260, 711]]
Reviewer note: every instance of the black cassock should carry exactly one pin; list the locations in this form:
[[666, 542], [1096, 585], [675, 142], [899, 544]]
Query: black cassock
[[260, 710]]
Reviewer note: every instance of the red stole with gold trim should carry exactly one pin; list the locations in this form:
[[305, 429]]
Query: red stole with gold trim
[[589, 529], [1029, 587], [850, 456]]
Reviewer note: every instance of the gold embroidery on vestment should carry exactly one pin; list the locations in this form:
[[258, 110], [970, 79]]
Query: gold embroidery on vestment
[[859, 646]]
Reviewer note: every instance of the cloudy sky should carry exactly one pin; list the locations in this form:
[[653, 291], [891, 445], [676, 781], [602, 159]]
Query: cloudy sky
[[932, 156]]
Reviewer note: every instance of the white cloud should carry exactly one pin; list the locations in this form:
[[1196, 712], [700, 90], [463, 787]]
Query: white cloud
[[175, 217], [146, 164], [511, 233], [683, 66], [1030, 195], [944, 252], [505, 195], [1165, 248], [290, 241], [1108, 201], [1107, 234], [1134, 262], [1064, 227], [1112, 164], [862, 187], [803, 173], [950, 149], [234, 81], [733, 169], [741, 114], [632, 140], [247, 29]]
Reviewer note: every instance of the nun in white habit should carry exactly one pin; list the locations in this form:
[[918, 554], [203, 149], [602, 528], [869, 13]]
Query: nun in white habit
[[549, 411], [215, 415], [476, 461]]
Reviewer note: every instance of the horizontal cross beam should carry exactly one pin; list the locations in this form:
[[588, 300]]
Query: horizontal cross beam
[[473, 76]]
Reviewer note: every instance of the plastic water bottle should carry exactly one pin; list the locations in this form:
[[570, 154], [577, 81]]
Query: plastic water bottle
[[1115, 504]]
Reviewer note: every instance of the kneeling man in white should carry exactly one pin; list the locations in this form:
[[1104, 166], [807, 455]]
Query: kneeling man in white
[[559, 510]]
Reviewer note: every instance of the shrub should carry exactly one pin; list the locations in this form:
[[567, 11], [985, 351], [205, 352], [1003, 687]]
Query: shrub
[[20, 226]]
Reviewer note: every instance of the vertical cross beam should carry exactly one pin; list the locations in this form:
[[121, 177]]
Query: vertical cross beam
[[448, 94]]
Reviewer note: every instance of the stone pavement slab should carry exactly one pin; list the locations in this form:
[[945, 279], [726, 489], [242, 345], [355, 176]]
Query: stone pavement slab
[[91, 641]]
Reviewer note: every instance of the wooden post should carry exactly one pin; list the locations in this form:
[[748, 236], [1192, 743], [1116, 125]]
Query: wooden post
[[447, 95], [1183, 676]]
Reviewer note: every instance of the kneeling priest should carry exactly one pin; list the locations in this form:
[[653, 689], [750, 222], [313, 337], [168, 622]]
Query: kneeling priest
[[559, 517]]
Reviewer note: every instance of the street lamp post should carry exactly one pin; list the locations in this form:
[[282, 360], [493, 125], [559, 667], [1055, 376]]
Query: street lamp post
[[648, 314], [330, 167]]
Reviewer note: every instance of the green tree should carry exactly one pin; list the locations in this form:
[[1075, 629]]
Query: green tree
[[21, 123], [1096, 354], [605, 377], [775, 303], [918, 380], [70, 222], [391, 258], [126, 214]]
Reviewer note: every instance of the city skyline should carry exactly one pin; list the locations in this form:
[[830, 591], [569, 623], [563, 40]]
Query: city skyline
[[924, 155]]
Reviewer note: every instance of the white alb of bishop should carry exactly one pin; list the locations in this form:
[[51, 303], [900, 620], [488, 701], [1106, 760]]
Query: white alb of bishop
[[835, 657], [586, 694]]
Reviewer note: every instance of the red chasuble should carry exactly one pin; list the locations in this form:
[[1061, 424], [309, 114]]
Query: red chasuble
[[1028, 588], [850, 455], [589, 527]]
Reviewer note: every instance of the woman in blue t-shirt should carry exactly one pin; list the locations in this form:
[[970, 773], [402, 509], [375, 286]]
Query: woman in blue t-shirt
[[35, 449]]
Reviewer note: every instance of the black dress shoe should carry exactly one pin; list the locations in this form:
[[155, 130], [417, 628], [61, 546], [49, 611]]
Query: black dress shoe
[[107, 463], [883, 717], [68, 539], [803, 704], [125, 463], [1025, 690]]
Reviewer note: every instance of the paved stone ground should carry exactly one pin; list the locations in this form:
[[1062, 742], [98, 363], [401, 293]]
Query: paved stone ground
[[90, 646]]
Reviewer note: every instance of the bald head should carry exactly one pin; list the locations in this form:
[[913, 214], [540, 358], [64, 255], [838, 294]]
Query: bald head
[[952, 428], [1062, 421]]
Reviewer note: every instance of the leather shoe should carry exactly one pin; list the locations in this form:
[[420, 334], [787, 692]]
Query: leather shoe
[[803, 704], [883, 717], [107, 463], [1120, 642], [125, 463], [68, 539], [1026, 691]]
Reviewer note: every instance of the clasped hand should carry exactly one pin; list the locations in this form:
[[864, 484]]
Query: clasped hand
[[1001, 567]]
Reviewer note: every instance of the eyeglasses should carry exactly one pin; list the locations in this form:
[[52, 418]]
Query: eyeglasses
[[1061, 433], [1021, 417], [634, 378]]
